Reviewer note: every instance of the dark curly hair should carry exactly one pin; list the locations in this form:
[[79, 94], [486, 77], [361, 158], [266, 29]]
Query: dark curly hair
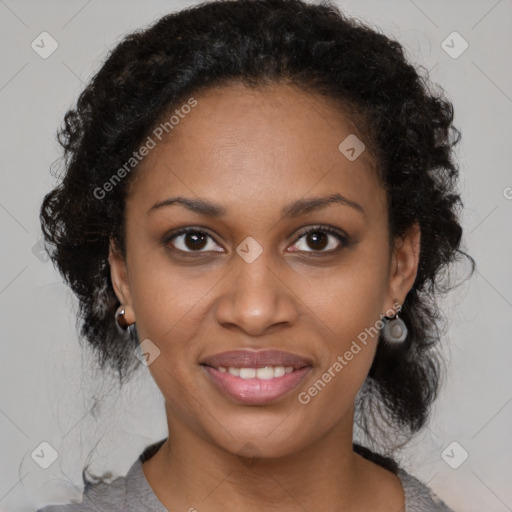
[[405, 124]]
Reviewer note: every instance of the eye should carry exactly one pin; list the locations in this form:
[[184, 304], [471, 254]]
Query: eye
[[191, 240], [322, 239]]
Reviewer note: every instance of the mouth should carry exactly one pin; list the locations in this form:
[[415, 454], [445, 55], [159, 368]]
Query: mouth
[[256, 378]]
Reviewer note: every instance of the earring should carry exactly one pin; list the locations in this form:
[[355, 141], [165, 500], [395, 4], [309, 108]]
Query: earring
[[394, 330], [123, 326], [121, 322]]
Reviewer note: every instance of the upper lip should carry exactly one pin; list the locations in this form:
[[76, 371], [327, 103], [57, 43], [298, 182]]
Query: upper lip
[[256, 359]]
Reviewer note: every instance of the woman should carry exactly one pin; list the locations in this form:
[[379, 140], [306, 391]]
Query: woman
[[258, 203]]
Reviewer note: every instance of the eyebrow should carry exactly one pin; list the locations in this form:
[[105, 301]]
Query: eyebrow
[[294, 209]]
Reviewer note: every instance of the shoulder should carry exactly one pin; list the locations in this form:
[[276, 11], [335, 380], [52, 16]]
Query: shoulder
[[419, 497], [130, 493]]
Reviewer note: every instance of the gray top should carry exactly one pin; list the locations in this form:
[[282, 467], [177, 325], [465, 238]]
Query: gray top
[[132, 493]]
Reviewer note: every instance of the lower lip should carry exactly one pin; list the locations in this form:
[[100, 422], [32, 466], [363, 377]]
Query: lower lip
[[256, 391]]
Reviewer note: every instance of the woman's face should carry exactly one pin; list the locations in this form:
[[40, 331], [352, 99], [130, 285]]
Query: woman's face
[[247, 278]]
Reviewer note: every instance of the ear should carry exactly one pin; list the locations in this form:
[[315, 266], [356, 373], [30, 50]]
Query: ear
[[120, 282], [404, 264]]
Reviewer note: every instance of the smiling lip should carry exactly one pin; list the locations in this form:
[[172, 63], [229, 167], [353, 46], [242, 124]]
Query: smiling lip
[[255, 391], [256, 359]]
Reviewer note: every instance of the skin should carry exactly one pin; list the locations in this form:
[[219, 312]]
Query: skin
[[252, 152]]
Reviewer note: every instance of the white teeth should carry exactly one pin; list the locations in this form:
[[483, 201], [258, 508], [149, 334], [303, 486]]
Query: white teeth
[[247, 373], [265, 373], [279, 371]]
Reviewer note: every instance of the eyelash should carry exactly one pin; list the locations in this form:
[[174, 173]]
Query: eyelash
[[342, 238]]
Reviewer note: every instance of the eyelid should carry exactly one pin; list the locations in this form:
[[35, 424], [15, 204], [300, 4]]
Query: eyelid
[[325, 228]]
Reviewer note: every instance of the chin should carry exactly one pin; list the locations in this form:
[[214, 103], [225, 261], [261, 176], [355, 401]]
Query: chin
[[261, 440]]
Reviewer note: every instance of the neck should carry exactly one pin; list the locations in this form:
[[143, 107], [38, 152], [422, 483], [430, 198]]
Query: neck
[[190, 471]]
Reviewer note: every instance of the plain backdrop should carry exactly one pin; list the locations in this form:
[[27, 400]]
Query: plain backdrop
[[50, 393]]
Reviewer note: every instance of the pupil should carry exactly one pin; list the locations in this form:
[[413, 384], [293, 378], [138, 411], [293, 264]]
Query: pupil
[[198, 240], [315, 237]]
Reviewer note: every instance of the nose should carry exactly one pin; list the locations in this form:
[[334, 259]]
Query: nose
[[256, 298]]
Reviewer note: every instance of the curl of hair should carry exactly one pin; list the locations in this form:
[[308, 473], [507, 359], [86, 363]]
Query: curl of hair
[[405, 125]]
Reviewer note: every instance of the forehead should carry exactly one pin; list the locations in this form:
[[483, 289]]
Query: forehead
[[267, 145]]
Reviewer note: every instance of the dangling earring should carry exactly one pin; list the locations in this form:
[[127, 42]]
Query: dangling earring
[[122, 325], [394, 330]]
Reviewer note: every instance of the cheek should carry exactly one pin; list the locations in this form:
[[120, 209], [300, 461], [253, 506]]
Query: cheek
[[348, 301], [172, 308], [347, 307], [166, 301]]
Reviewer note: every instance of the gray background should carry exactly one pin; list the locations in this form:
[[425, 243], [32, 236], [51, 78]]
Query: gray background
[[49, 393]]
